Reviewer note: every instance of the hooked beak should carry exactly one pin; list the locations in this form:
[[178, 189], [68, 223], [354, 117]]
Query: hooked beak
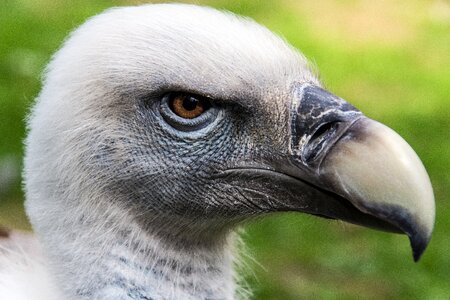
[[335, 148], [340, 165]]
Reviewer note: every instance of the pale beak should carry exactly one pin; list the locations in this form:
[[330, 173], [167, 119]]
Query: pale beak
[[381, 175], [364, 162]]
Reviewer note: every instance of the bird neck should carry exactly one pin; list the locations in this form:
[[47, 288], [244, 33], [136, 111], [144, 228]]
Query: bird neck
[[156, 270], [132, 263]]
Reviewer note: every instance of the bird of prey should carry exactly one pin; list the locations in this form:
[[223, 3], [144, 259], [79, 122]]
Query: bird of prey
[[162, 128]]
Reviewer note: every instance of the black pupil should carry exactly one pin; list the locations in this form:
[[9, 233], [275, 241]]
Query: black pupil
[[190, 103]]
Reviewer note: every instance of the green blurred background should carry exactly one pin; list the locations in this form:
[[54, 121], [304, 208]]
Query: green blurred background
[[389, 58]]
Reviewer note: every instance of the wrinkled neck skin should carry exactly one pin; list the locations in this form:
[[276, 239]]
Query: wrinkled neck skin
[[118, 259]]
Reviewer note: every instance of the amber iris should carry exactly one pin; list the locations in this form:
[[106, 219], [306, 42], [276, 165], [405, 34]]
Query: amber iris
[[187, 106]]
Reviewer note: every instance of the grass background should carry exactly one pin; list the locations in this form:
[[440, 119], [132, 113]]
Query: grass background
[[389, 58]]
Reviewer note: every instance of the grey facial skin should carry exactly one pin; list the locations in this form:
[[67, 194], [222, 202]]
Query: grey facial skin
[[235, 162], [266, 172]]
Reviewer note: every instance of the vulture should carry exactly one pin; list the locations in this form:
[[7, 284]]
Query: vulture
[[161, 128]]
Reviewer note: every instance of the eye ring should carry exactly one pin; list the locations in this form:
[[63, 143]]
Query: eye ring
[[188, 112]]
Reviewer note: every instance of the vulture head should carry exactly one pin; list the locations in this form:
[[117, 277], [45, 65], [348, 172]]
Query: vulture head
[[160, 128]]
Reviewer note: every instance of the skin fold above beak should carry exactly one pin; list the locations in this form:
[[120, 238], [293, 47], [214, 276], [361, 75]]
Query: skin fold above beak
[[364, 162]]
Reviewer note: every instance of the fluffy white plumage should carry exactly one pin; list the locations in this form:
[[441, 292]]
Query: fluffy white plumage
[[23, 272]]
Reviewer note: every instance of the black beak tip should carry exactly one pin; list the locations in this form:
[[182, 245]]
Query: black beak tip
[[401, 221], [419, 243]]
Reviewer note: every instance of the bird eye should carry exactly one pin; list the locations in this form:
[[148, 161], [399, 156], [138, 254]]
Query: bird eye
[[188, 112], [188, 106]]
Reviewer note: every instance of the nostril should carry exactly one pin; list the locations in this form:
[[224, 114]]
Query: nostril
[[318, 140], [324, 130]]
